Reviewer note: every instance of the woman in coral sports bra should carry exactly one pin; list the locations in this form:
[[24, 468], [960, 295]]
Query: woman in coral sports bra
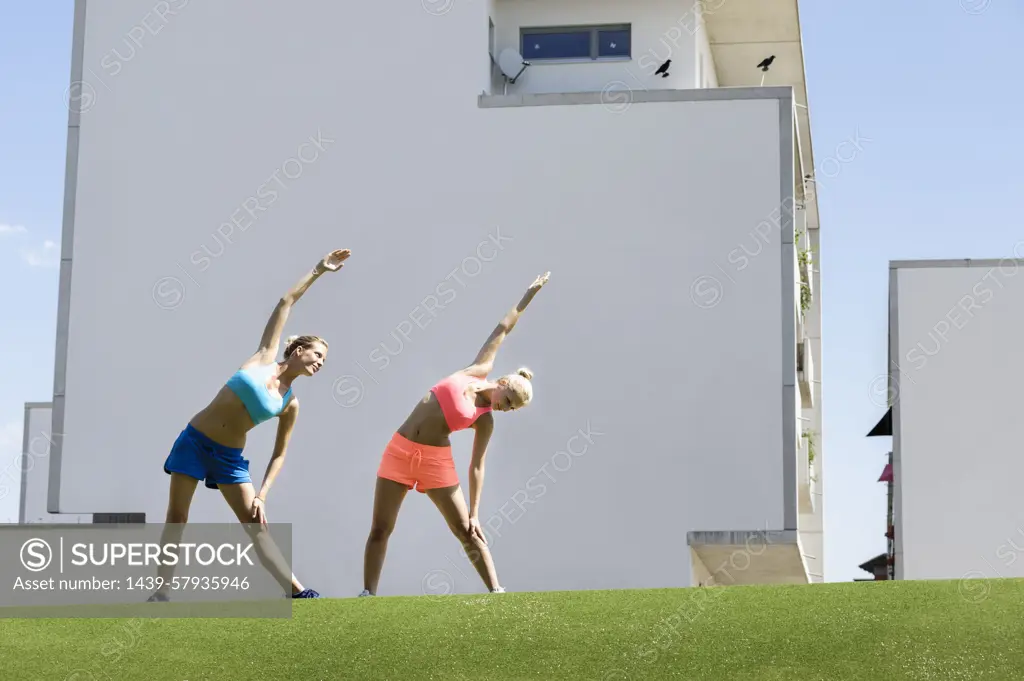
[[419, 455]]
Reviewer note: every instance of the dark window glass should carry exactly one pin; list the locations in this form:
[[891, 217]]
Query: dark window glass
[[613, 43], [566, 45]]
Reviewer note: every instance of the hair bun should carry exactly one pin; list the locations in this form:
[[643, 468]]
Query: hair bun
[[525, 373], [289, 340]]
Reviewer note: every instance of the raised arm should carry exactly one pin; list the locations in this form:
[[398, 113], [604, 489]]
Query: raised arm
[[271, 339], [484, 362]]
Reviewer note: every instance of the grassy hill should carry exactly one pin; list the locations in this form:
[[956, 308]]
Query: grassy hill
[[938, 631]]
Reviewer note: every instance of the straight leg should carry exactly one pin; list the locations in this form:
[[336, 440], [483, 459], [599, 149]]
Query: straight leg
[[452, 504], [179, 501], [387, 502]]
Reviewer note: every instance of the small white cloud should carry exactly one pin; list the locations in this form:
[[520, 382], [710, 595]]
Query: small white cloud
[[11, 229], [47, 256], [10, 438]]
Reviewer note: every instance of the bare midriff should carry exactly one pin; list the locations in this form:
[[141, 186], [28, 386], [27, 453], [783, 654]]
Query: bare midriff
[[225, 420], [426, 424]]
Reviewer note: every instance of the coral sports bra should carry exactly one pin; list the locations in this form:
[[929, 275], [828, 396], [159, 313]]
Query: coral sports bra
[[460, 410], [251, 387]]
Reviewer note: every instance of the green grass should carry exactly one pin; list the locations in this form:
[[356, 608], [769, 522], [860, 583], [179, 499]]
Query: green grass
[[882, 630]]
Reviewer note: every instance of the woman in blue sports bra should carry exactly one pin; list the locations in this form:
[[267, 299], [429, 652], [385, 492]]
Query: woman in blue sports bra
[[210, 447]]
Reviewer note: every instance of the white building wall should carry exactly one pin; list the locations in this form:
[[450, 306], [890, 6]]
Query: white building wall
[[34, 468], [956, 335], [641, 344]]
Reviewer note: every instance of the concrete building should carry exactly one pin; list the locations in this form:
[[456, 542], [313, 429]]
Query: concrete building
[[34, 468], [955, 329], [217, 150]]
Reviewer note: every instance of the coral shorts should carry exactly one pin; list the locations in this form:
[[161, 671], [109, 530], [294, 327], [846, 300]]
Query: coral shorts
[[420, 467]]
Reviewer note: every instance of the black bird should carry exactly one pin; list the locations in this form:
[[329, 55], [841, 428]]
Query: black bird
[[663, 69], [766, 63]]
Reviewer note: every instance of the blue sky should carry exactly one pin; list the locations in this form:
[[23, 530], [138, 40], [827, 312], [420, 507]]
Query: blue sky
[[930, 88]]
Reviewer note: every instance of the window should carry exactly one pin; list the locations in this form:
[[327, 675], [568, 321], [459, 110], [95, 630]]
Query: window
[[575, 43]]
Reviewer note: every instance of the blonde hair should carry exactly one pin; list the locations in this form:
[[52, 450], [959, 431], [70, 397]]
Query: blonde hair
[[519, 384], [293, 343]]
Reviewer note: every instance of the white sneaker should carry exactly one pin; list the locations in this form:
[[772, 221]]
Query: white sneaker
[[364, 593], [498, 590]]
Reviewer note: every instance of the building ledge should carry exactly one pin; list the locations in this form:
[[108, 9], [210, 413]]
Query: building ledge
[[750, 556], [607, 98]]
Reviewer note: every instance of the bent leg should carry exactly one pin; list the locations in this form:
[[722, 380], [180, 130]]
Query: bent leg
[[452, 504], [387, 501], [179, 501], [239, 497]]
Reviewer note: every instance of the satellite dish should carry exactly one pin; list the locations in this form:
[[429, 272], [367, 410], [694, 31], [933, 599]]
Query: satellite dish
[[512, 65]]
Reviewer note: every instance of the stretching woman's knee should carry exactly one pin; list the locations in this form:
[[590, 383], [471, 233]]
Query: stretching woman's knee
[[381, 532]]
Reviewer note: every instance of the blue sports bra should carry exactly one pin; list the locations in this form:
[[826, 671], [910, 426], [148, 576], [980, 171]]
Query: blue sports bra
[[251, 387]]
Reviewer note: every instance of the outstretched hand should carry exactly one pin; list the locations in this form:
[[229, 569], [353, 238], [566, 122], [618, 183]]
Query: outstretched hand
[[335, 260], [540, 281]]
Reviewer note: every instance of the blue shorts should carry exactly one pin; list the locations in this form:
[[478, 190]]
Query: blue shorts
[[199, 457]]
